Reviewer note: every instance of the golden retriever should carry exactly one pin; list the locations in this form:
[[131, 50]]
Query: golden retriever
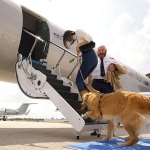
[[132, 109]]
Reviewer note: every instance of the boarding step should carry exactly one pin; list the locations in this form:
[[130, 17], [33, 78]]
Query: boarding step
[[74, 103], [65, 107], [54, 80], [61, 87], [67, 95], [67, 102], [71, 98], [38, 66]]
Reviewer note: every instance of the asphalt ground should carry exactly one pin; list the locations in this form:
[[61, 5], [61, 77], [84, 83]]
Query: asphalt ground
[[21, 135]]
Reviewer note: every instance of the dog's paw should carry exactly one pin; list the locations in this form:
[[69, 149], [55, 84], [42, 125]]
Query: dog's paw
[[82, 108], [127, 138], [122, 144], [84, 116], [105, 138], [100, 117]]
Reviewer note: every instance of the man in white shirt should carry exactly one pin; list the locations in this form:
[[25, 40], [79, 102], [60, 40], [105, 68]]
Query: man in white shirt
[[96, 79], [98, 74]]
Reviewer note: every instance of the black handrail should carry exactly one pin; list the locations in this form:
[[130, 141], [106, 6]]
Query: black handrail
[[37, 38], [63, 49]]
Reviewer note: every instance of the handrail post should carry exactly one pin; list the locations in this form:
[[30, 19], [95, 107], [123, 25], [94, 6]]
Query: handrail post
[[57, 64], [72, 70], [36, 40]]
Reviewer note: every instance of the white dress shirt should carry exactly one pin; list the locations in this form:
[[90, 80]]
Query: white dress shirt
[[96, 72]]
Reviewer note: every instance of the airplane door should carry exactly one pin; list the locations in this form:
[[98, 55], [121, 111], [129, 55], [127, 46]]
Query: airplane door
[[11, 21]]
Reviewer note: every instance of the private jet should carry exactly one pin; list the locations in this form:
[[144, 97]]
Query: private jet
[[32, 54], [5, 112]]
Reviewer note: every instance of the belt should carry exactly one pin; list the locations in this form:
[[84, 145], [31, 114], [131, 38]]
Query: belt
[[85, 51], [98, 80], [87, 47]]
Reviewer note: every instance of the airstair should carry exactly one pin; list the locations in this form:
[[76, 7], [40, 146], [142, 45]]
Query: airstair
[[41, 83], [38, 82]]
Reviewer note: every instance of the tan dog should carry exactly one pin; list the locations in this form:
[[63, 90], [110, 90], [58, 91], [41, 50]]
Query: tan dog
[[132, 109]]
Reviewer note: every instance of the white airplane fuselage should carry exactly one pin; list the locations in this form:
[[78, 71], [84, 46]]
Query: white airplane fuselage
[[6, 112], [19, 27], [10, 34]]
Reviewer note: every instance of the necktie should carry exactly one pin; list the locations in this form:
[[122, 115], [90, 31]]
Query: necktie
[[102, 70]]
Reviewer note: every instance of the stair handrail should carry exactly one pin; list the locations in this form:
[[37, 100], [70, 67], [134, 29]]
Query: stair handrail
[[63, 49], [37, 38], [61, 57]]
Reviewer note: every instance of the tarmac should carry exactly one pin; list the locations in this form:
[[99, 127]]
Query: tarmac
[[21, 135]]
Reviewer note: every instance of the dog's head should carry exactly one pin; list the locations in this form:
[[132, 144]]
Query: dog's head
[[89, 98], [85, 100]]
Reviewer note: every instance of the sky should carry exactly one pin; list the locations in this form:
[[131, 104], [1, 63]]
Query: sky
[[123, 26]]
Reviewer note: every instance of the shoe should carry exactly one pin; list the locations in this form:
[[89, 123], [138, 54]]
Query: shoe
[[94, 133]]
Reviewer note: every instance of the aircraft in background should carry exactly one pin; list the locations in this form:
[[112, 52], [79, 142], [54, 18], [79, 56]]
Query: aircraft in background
[[33, 45], [4, 112]]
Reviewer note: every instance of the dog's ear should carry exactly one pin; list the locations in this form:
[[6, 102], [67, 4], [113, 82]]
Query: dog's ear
[[84, 104], [85, 96]]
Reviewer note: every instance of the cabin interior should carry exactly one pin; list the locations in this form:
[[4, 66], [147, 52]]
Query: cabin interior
[[34, 26]]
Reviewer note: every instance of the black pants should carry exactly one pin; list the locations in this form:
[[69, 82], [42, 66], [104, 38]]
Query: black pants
[[102, 86]]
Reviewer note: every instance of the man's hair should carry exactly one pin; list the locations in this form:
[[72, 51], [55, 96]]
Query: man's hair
[[102, 46]]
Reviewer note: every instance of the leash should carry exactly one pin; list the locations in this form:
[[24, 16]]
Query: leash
[[101, 96], [84, 80]]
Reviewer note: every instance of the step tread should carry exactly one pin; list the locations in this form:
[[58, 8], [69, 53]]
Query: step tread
[[61, 87], [74, 103], [55, 81], [68, 95], [89, 121]]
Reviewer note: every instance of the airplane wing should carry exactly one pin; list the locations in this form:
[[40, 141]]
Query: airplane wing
[[145, 94]]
